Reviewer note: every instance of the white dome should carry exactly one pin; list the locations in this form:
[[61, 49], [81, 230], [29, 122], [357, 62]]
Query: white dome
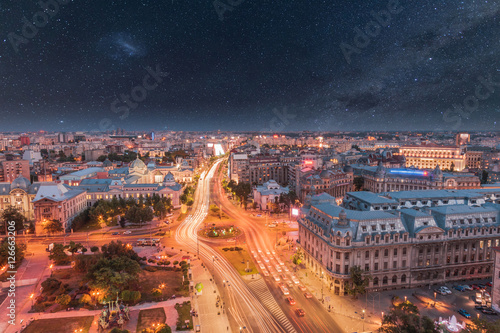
[[20, 182]]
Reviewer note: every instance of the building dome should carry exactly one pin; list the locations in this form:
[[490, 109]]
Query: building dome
[[20, 182], [324, 174], [107, 163], [169, 178], [348, 168], [137, 164], [380, 169]]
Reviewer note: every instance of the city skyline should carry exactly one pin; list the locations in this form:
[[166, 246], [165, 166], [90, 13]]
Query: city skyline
[[277, 66]]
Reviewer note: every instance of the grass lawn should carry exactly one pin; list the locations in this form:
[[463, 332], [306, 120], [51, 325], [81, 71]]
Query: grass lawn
[[171, 279], [63, 325], [149, 317], [239, 260], [184, 312]]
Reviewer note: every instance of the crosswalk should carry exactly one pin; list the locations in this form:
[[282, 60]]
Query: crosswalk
[[260, 289]]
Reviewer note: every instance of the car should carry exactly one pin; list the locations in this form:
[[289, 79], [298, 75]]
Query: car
[[308, 295], [488, 311], [445, 289], [300, 312], [290, 300], [302, 287], [467, 287], [464, 313], [441, 292], [474, 287], [265, 272], [259, 215], [481, 286], [265, 259], [284, 277], [489, 284], [115, 233], [276, 278], [290, 283], [459, 288], [127, 232]]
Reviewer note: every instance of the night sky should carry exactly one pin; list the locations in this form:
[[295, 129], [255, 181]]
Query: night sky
[[260, 65]]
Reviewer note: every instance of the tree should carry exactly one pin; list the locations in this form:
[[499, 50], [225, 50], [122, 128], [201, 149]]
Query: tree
[[6, 247], [63, 300], [94, 249], [298, 257], [113, 275], [86, 299], [58, 255], [481, 325], [484, 177], [160, 209], [74, 247], [12, 213], [358, 182], [214, 208], [405, 318], [189, 202], [358, 281], [53, 226]]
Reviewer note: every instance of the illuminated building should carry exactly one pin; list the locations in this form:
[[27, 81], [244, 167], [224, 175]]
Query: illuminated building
[[11, 169], [19, 194], [379, 179], [405, 248], [268, 194], [107, 189], [428, 156], [473, 159], [57, 202]]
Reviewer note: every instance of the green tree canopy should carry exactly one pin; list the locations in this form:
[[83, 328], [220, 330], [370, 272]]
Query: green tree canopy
[[12, 213], [405, 318], [53, 226], [358, 281]]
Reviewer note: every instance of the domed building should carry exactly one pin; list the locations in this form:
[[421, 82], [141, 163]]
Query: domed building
[[20, 194]]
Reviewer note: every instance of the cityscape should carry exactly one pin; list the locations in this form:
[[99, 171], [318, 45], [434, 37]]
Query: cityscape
[[242, 167]]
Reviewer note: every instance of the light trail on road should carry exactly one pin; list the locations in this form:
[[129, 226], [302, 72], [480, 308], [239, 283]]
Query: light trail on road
[[243, 305]]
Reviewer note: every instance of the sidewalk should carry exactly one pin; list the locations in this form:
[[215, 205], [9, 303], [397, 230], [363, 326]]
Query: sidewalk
[[211, 318]]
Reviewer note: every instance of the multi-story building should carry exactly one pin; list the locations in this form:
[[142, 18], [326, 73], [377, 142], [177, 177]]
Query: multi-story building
[[262, 168], [473, 159], [11, 169], [19, 194], [268, 194], [428, 156], [57, 202], [334, 182], [495, 290], [400, 249], [379, 179], [107, 189]]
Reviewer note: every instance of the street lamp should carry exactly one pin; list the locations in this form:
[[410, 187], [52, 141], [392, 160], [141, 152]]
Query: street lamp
[[363, 320], [31, 296], [405, 299]]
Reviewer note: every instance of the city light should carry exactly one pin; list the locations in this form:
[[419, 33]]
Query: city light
[[409, 172]]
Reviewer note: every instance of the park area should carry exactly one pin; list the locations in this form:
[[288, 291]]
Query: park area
[[239, 257], [150, 318], [69, 324]]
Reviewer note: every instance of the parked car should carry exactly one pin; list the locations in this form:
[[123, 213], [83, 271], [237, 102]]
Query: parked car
[[464, 313], [490, 284], [300, 312], [302, 287], [290, 300], [474, 287], [308, 295], [115, 233], [459, 288], [127, 232], [440, 291], [446, 290], [488, 311], [467, 287], [481, 286]]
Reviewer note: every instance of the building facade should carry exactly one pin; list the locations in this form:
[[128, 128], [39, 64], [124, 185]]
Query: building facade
[[399, 249], [428, 156]]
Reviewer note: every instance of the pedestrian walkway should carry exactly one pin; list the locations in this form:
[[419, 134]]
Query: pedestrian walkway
[[345, 308], [211, 317], [260, 289]]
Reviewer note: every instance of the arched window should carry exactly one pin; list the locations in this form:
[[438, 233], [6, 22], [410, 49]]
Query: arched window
[[384, 280], [375, 281], [403, 278], [394, 279]]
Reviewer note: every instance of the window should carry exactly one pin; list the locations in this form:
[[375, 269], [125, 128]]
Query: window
[[374, 228], [403, 263], [367, 267], [404, 251], [382, 226], [395, 252], [337, 255], [376, 266], [386, 265], [376, 253], [386, 252], [394, 279], [403, 278], [367, 254], [394, 264], [363, 228], [346, 256]]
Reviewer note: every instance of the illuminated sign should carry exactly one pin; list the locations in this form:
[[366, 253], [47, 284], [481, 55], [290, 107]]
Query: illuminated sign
[[295, 212], [275, 136], [409, 172], [308, 162]]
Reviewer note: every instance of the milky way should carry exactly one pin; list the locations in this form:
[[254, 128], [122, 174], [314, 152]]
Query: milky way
[[278, 65]]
